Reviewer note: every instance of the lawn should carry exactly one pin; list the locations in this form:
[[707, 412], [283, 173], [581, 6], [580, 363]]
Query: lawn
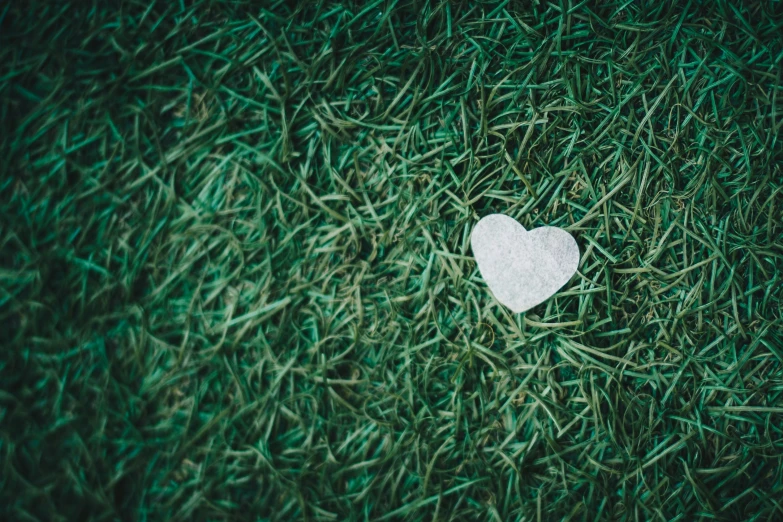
[[236, 280]]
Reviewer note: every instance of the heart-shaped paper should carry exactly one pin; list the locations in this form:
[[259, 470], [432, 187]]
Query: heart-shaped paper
[[523, 268]]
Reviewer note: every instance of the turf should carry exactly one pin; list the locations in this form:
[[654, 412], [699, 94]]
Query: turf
[[236, 281]]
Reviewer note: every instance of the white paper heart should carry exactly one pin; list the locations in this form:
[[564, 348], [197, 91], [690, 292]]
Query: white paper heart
[[523, 268]]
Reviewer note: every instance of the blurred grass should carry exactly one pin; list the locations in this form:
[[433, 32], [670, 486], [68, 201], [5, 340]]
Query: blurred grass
[[235, 280]]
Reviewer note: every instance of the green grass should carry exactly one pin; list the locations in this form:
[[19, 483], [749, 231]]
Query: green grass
[[236, 281]]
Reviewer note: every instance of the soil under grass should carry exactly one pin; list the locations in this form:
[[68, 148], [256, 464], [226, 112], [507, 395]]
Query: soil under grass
[[236, 282]]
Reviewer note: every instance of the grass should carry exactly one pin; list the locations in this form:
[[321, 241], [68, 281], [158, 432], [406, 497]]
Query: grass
[[236, 282]]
